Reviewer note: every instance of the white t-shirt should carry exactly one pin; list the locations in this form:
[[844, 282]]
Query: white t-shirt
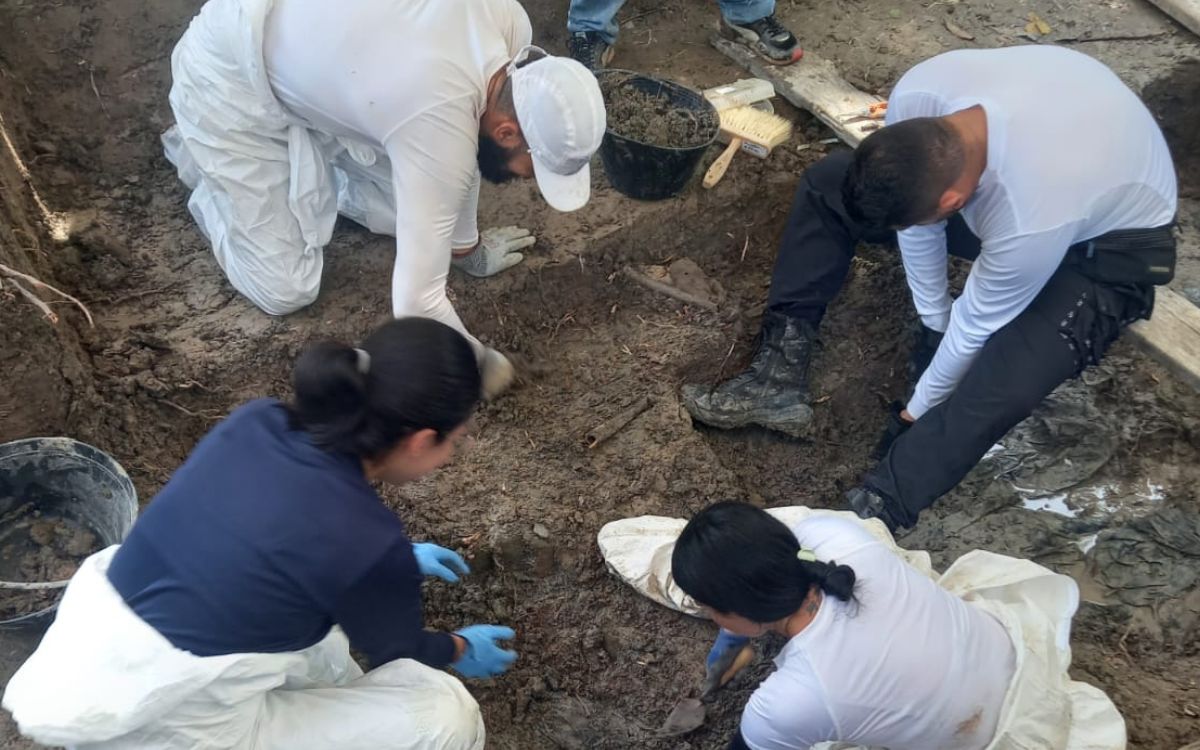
[[908, 667], [1072, 154], [410, 76]]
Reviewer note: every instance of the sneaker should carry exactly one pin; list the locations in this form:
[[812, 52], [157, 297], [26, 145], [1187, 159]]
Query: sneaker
[[767, 37], [589, 48]]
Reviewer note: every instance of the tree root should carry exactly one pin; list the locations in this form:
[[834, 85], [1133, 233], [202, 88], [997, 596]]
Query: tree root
[[15, 277]]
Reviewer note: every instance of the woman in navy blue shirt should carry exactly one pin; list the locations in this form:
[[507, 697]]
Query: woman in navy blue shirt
[[225, 619]]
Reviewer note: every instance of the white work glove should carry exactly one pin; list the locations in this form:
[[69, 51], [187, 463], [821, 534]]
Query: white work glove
[[496, 372], [497, 250]]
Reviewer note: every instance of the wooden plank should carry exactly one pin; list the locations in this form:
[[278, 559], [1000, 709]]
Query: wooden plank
[[1186, 12], [1172, 335], [812, 84]]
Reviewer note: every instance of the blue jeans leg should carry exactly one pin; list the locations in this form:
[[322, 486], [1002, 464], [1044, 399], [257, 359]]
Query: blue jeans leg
[[599, 16], [744, 11]]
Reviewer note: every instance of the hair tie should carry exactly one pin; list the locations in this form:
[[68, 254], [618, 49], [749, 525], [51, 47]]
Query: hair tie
[[363, 363], [806, 555]]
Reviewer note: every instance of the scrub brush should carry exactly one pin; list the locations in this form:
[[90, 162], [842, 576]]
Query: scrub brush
[[750, 130]]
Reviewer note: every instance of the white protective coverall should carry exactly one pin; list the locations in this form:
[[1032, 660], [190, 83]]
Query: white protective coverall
[[291, 111], [103, 679], [1043, 708]]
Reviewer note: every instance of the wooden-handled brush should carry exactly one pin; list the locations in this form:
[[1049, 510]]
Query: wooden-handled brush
[[750, 130]]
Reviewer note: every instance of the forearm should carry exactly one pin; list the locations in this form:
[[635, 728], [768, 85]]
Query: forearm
[[923, 251]]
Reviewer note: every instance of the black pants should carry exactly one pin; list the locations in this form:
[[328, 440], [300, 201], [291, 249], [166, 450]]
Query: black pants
[[1068, 326]]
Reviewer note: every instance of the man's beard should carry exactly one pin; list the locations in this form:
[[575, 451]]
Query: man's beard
[[493, 161]]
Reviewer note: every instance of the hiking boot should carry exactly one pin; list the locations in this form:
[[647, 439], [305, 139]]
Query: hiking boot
[[766, 36], [867, 504], [772, 393], [589, 48]]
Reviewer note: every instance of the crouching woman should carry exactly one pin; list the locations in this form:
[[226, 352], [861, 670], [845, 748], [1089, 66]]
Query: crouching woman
[[225, 619], [878, 652]]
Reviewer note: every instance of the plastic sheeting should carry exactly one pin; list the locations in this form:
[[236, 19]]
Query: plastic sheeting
[[1043, 708], [102, 679]]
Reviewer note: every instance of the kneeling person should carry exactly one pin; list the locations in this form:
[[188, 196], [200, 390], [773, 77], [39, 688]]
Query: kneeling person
[[289, 112], [878, 652], [1035, 162], [225, 619]]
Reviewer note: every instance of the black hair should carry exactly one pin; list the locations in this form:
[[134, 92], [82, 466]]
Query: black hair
[[417, 374], [899, 174], [493, 160], [739, 559]]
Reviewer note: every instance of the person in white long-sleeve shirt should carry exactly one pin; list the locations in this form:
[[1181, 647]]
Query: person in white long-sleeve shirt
[[1035, 162], [879, 650], [386, 111]]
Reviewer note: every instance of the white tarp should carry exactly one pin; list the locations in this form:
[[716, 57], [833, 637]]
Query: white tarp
[[1043, 710], [102, 679]]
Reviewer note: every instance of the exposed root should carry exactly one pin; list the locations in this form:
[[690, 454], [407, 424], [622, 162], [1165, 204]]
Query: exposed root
[[35, 301], [14, 275]]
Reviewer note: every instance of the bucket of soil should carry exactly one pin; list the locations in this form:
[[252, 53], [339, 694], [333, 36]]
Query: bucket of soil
[[657, 133], [60, 501]]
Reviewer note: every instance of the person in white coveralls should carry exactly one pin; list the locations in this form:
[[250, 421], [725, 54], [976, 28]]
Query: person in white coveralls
[[289, 112]]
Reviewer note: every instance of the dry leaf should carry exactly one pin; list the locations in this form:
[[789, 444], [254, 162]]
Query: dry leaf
[[958, 31], [1037, 25]]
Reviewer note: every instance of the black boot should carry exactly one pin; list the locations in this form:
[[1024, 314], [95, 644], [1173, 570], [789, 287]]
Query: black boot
[[867, 504], [772, 393]]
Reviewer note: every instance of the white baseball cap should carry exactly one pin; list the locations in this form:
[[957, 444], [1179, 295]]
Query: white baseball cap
[[561, 114]]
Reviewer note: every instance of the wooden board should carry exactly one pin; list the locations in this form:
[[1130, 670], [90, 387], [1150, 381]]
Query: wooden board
[[1186, 12], [812, 84], [1172, 335]]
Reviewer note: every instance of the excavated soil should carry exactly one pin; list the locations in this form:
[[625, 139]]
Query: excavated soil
[[653, 119], [39, 549], [83, 95]]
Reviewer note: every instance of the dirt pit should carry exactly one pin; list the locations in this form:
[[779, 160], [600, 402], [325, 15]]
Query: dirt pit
[[39, 549], [175, 349], [652, 117]]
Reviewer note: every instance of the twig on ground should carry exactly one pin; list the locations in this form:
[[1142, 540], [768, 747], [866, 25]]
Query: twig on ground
[[728, 354], [12, 273], [1114, 38], [22, 586], [559, 324], [745, 247], [667, 289], [95, 90], [641, 15], [610, 427]]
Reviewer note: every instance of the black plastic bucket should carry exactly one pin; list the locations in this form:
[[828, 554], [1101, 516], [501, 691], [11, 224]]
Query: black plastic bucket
[[64, 482], [646, 171]]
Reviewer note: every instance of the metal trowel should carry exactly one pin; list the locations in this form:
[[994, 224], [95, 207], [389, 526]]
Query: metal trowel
[[689, 713]]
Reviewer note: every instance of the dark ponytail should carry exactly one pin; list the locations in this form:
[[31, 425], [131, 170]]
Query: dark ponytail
[[410, 374], [738, 559]]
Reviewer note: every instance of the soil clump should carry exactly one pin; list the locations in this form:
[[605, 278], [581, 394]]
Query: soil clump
[[654, 120], [39, 549]]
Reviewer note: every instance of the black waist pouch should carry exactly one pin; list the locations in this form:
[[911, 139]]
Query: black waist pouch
[[1128, 256]]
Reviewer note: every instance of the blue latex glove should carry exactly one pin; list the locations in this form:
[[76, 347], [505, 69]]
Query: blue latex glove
[[720, 659], [483, 658], [725, 644], [433, 560]]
